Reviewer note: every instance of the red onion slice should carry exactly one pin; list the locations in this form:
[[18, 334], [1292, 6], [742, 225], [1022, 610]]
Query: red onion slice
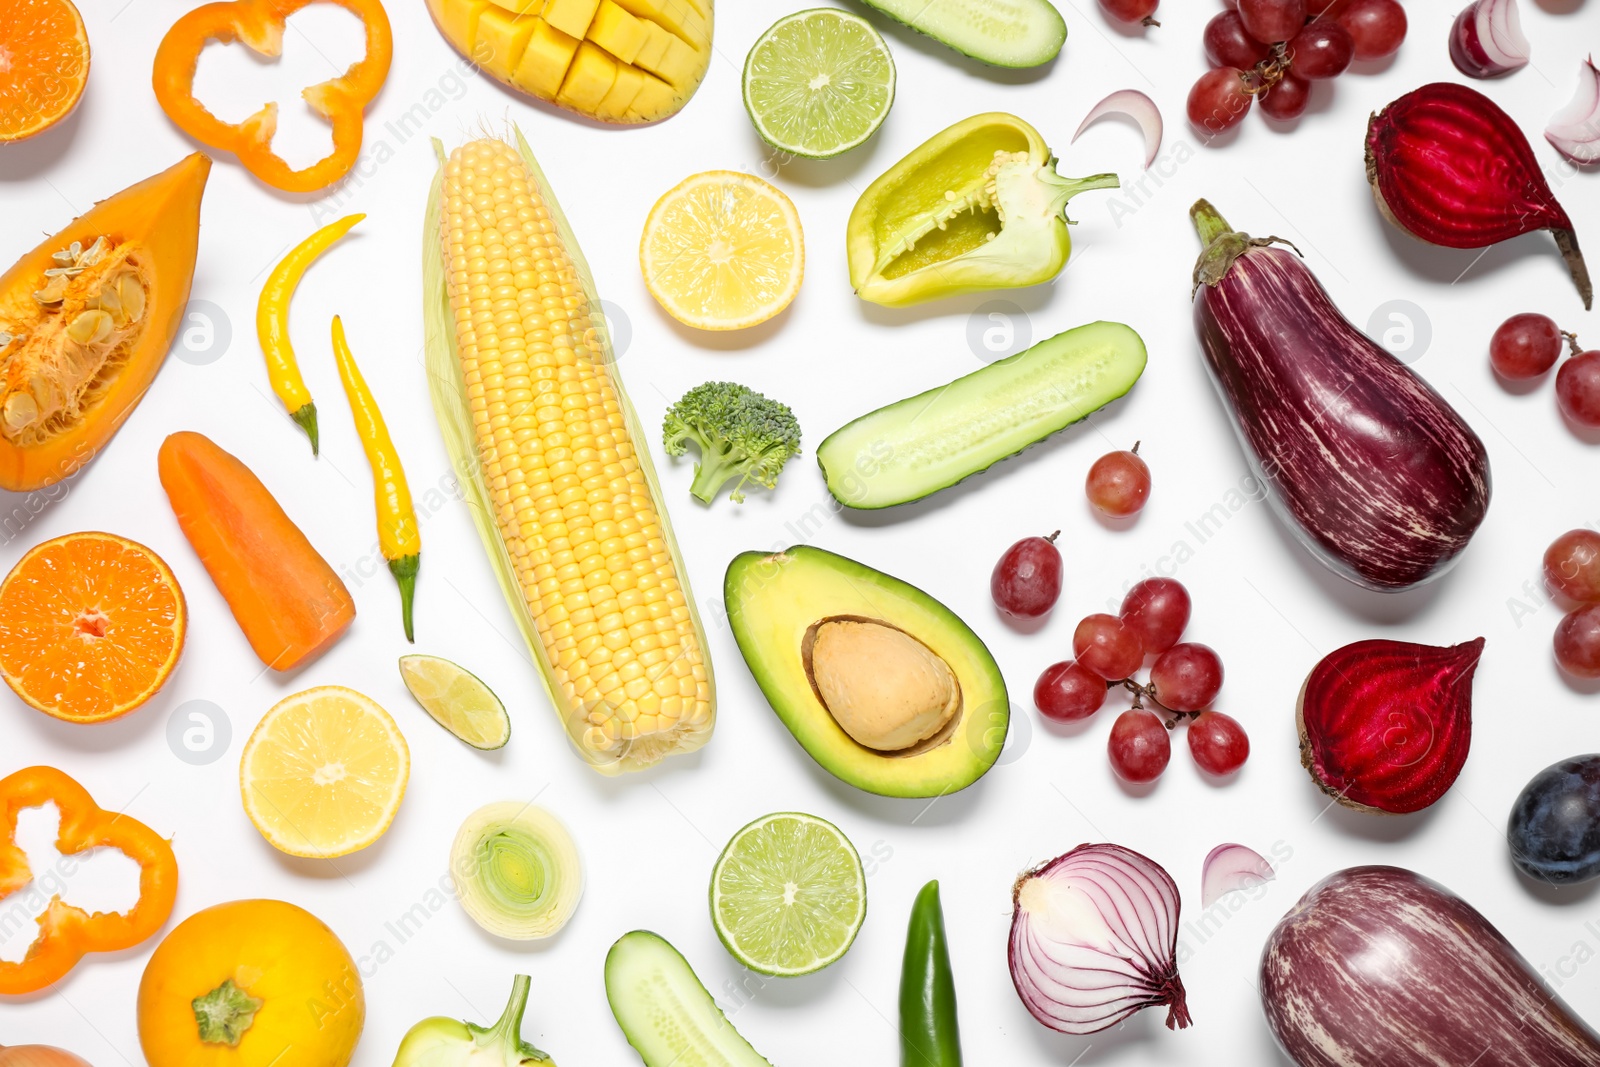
[[1137, 106], [1575, 129], [1094, 937], [1487, 39], [1228, 868]]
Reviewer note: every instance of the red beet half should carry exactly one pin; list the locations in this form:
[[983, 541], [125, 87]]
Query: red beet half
[[1381, 967], [1449, 167], [1369, 467], [1385, 725]]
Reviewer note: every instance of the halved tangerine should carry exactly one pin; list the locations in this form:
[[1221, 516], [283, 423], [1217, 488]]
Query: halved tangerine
[[91, 625], [44, 65]]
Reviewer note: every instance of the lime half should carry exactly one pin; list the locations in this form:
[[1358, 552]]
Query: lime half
[[458, 700], [818, 83], [788, 895]]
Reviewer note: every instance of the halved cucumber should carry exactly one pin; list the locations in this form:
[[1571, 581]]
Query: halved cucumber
[[933, 440], [664, 1011], [1003, 33]]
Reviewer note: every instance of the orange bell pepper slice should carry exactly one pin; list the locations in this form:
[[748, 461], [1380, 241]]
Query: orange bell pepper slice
[[66, 932], [259, 25]]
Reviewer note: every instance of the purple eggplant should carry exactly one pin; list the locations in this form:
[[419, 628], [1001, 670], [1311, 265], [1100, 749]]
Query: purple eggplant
[[1373, 472], [1380, 967]]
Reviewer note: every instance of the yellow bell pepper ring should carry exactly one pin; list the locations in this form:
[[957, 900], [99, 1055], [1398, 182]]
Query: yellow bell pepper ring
[[259, 25], [976, 207]]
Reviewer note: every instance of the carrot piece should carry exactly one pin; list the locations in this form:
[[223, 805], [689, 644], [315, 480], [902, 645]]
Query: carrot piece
[[284, 596]]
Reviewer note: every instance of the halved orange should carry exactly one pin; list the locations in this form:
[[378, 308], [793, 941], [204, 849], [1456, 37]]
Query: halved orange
[[91, 625], [44, 65]]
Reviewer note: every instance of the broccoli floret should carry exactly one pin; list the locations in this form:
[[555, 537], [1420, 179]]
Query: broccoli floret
[[741, 434]]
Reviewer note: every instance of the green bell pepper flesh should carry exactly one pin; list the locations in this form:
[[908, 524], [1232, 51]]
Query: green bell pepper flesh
[[929, 1033], [441, 1042], [977, 207]]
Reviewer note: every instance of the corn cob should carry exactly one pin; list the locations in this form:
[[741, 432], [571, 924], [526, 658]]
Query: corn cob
[[573, 502]]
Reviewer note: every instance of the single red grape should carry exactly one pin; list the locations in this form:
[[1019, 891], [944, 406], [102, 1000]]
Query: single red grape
[[1139, 746], [1376, 27], [1119, 483], [1321, 50], [1027, 580], [1271, 21], [1187, 677], [1157, 610], [1525, 346], [1218, 743], [1105, 645], [1572, 566], [1578, 642], [1131, 10], [1068, 691], [1219, 100], [1288, 97], [1578, 388], [1228, 45]]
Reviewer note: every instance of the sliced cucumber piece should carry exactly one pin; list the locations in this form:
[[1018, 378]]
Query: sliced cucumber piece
[[664, 1011], [1003, 33], [933, 440]]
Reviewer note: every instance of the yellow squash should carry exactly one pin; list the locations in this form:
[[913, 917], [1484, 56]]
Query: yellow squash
[[86, 319], [623, 61], [250, 983]]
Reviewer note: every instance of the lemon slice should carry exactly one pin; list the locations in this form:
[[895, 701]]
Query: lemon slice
[[324, 772], [458, 700], [788, 895], [723, 251]]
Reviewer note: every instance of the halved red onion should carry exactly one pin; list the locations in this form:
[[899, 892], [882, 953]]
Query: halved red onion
[[1228, 868], [1094, 938], [1575, 129], [1487, 39], [1137, 106]]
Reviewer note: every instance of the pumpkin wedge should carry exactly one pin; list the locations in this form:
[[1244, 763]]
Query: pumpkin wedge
[[86, 319]]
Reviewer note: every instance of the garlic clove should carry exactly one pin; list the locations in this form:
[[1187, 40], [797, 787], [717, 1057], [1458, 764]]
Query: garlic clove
[[1575, 129], [1229, 868]]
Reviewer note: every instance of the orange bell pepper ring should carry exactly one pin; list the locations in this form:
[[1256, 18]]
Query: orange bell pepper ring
[[259, 25], [66, 932]]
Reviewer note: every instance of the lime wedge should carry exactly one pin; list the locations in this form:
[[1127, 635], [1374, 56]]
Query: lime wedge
[[788, 895], [458, 700], [818, 83]]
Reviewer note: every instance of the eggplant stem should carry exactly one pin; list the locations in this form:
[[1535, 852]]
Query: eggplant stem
[[1222, 245]]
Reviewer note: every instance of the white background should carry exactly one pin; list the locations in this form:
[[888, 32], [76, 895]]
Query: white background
[[649, 840]]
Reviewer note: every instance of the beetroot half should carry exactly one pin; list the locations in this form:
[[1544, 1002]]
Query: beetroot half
[[1385, 725], [1449, 167]]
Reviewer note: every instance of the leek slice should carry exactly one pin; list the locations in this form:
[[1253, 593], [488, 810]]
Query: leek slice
[[517, 870]]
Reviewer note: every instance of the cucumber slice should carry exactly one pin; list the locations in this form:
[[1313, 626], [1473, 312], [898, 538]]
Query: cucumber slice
[[664, 1011], [933, 440], [1002, 33]]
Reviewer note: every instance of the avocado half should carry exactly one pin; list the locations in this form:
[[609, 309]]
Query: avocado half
[[776, 603]]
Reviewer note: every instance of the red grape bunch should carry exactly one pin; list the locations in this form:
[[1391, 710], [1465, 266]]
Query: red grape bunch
[[1272, 50], [1527, 345], [1109, 650], [1572, 571]]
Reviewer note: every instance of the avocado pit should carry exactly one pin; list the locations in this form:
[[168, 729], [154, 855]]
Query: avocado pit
[[887, 690]]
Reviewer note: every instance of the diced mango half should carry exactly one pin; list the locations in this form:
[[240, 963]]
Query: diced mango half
[[624, 61]]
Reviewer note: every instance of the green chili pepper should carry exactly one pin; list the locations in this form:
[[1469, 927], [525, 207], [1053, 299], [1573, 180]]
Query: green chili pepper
[[929, 1034], [979, 206]]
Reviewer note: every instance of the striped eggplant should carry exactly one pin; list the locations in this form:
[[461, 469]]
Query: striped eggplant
[[1380, 967], [1374, 473]]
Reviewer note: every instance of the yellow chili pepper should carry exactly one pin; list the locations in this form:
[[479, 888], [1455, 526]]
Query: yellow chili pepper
[[398, 536], [272, 324]]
